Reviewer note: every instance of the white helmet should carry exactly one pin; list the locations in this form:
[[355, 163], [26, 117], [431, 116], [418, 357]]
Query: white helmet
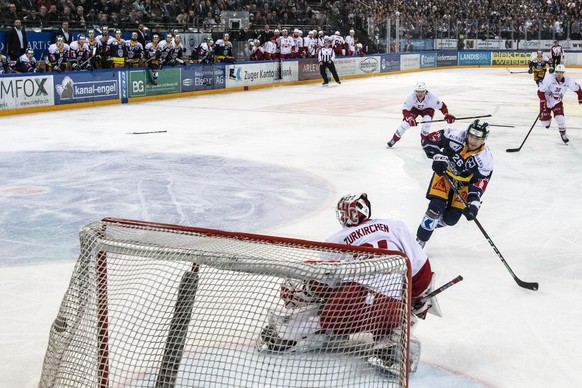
[[353, 209], [560, 68], [420, 87]]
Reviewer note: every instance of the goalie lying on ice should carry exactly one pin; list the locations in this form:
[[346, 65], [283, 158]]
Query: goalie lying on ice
[[329, 313]]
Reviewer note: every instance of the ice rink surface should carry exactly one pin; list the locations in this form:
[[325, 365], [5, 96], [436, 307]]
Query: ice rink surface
[[275, 161]]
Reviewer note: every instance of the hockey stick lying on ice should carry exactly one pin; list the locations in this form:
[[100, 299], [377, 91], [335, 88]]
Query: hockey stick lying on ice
[[437, 291], [526, 136], [145, 133], [457, 119], [530, 286], [517, 72]]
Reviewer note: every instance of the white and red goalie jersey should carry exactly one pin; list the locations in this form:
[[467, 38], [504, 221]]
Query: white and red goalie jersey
[[390, 235]]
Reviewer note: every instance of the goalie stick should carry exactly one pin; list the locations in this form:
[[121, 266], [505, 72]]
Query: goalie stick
[[526, 136], [529, 285], [434, 293], [516, 72], [458, 118]]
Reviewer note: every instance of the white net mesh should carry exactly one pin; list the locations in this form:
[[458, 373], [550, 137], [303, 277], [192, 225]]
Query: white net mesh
[[153, 305]]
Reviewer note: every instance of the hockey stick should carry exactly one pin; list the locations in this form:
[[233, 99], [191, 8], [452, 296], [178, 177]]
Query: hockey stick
[[530, 286], [458, 118], [144, 133], [526, 136], [438, 290], [516, 72], [502, 126]]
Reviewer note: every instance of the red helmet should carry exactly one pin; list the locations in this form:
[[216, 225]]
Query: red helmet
[[353, 209]]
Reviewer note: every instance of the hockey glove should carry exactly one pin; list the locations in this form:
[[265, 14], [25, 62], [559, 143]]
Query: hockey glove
[[530, 71], [440, 163], [543, 105], [471, 210], [450, 118], [411, 121]]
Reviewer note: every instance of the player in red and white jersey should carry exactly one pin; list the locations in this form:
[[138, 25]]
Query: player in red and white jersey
[[350, 43], [550, 93], [420, 103], [323, 311], [286, 45], [256, 52], [337, 44], [299, 49], [557, 53], [270, 49], [310, 44]]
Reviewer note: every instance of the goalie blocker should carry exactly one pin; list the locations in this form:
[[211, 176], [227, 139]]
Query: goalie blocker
[[324, 313]]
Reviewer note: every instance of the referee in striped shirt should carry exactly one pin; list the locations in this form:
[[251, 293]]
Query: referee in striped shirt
[[326, 57]]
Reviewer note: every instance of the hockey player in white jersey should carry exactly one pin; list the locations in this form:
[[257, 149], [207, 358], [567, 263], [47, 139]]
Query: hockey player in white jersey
[[322, 313], [420, 103], [550, 93]]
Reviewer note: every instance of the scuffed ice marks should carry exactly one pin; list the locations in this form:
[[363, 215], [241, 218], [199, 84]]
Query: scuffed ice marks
[[46, 197]]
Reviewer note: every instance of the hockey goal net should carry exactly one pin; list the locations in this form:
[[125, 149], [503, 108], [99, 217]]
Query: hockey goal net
[[157, 305]]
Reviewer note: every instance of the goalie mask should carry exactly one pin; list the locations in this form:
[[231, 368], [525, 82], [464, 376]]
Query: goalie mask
[[353, 209]]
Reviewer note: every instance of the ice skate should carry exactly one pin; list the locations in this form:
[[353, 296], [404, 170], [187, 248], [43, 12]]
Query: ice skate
[[564, 137]]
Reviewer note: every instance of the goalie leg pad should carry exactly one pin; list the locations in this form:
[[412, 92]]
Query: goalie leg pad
[[353, 308]]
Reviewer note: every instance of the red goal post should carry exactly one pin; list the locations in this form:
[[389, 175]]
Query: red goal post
[[160, 305]]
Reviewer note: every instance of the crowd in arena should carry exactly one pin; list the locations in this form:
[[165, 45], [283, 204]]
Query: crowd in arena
[[422, 17], [353, 27]]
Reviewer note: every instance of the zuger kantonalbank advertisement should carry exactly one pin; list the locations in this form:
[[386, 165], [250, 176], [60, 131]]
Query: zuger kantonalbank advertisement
[[26, 92], [260, 73]]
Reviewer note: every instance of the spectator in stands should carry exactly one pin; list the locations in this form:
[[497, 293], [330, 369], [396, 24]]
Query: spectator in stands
[[53, 15], [46, 3], [79, 18], [16, 41], [32, 19], [265, 34], [12, 14], [43, 15]]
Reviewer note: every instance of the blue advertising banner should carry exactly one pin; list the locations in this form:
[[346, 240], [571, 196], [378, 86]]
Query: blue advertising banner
[[39, 41], [428, 60], [389, 62], [86, 86], [447, 58], [474, 58], [203, 77]]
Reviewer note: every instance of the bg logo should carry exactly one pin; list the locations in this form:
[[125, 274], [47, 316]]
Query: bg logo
[[137, 87]]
